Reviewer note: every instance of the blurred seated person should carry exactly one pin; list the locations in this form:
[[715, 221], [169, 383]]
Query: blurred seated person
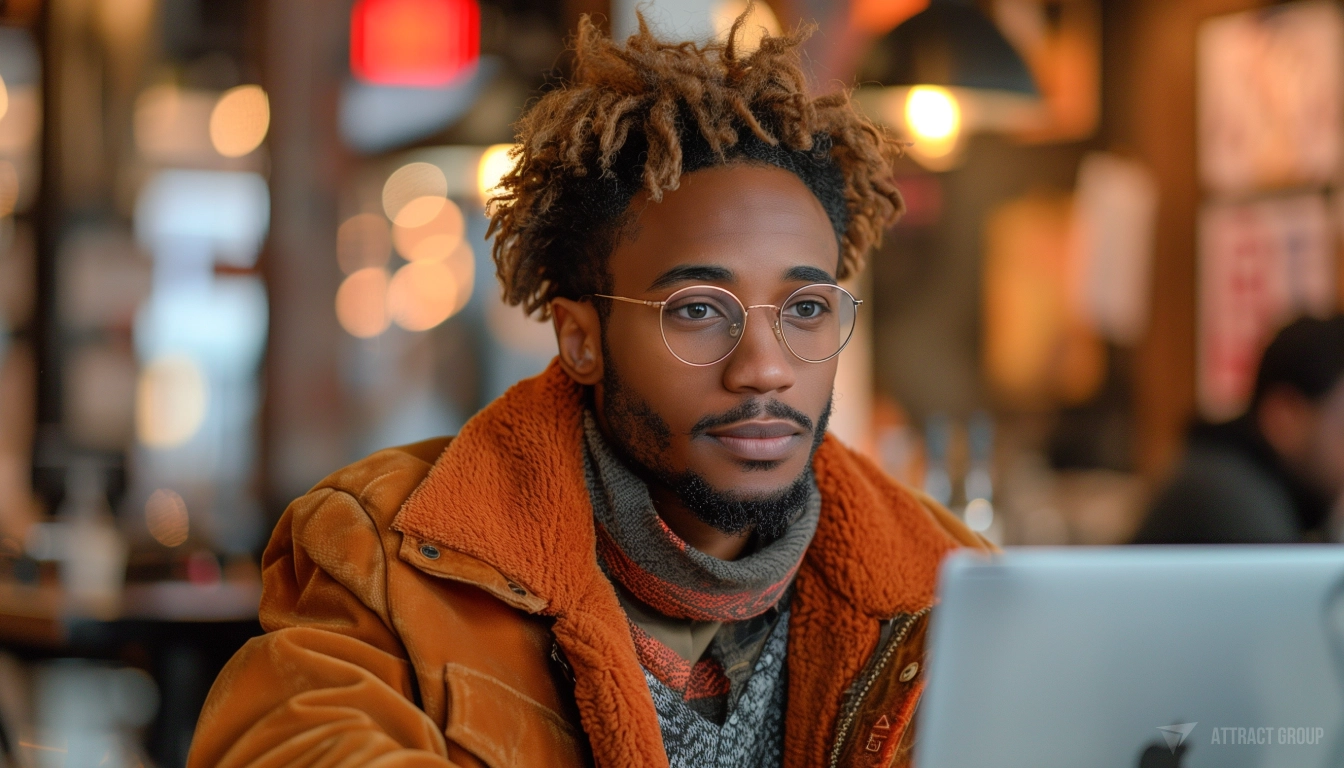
[[1274, 474]]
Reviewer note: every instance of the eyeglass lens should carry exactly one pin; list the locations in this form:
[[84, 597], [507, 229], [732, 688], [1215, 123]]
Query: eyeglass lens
[[703, 324]]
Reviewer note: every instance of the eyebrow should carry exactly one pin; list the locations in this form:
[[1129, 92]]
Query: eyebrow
[[685, 272], [809, 274], [709, 273]]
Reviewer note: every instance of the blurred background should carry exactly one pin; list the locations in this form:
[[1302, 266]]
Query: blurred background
[[242, 244]]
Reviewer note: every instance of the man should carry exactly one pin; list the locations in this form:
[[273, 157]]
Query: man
[[650, 554], [1272, 475]]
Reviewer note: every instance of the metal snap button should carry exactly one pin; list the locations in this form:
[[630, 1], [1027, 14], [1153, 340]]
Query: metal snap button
[[909, 672], [517, 590], [430, 551]]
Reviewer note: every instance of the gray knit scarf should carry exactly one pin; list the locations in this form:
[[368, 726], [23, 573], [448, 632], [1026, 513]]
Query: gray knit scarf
[[636, 548]]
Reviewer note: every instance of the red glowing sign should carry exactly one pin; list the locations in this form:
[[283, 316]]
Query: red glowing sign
[[414, 42]]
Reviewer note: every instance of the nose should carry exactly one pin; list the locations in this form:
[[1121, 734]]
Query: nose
[[760, 364]]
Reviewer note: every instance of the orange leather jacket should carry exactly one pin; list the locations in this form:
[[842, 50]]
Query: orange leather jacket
[[441, 605]]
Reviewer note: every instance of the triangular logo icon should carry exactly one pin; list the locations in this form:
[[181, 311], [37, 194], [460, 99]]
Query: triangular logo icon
[[882, 724], [1175, 735]]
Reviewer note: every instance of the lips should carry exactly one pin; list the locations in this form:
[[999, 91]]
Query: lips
[[758, 440]]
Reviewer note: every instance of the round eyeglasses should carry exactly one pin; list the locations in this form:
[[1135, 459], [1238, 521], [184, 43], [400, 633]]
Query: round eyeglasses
[[702, 324]]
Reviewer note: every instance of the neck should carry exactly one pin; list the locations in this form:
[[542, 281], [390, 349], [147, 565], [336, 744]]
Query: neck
[[694, 531]]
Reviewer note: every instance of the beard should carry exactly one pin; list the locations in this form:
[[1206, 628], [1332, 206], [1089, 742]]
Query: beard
[[768, 516], [642, 438]]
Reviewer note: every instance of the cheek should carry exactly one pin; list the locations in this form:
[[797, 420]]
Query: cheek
[[816, 385], [674, 390], [680, 394]]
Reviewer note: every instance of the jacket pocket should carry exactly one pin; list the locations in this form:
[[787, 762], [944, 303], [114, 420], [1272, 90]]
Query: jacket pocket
[[504, 727]]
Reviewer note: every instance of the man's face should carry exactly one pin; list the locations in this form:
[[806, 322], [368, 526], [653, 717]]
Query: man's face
[[744, 428]]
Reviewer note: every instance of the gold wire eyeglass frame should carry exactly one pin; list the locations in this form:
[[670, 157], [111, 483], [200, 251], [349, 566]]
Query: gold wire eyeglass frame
[[746, 315]]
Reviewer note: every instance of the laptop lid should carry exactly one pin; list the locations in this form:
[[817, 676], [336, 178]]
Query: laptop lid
[[1137, 657]]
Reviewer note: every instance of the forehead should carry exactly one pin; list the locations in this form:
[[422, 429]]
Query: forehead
[[757, 222]]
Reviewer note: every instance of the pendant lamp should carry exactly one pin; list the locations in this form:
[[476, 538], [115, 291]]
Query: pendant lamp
[[942, 73]]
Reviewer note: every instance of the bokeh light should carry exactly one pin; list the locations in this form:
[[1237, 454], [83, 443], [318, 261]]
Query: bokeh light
[[457, 255], [412, 181], [934, 119], [239, 121], [166, 517], [171, 399], [21, 123], [979, 515], [433, 248], [422, 294], [420, 43], [494, 164], [762, 21], [445, 229], [361, 303], [364, 240], [419, 211]]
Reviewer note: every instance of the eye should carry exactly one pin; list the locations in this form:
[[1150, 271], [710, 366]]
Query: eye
[[807, 308], [697, 310]]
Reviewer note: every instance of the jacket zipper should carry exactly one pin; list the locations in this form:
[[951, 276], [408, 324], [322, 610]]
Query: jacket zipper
[[864, 683], [558, 656]]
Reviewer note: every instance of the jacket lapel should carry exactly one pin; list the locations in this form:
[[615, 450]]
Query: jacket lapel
[[509, 491]]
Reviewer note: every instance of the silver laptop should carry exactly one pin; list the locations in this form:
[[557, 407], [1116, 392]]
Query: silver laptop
[[1137, 657]]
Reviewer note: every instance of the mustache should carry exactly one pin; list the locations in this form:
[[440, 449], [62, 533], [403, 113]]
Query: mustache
[[749, 410]]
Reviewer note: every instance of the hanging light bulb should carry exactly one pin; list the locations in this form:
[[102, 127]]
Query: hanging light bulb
[[945, 73], [933, 117]]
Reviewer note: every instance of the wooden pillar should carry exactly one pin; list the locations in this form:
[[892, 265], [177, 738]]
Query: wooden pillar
[[304, 415], [1150, 85]]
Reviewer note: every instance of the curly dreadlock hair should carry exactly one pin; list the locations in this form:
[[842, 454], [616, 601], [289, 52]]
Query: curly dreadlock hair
[[636, 117]]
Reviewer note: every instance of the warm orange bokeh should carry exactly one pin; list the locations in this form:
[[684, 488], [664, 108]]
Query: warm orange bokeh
[[881, 16], [416, 241], [361, 303], [422, 294]]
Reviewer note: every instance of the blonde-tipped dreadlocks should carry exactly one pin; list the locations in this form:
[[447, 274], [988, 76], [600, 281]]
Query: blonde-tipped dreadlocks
[[636, 117]]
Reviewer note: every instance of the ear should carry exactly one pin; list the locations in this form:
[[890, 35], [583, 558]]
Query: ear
[[578, 334], [1285, 417]]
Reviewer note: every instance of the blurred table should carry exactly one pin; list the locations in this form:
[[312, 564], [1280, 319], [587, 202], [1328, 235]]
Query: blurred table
[[183, 633], [42, 616]]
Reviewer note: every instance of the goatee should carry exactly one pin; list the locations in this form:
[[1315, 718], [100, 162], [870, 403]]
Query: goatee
[[640, 436]]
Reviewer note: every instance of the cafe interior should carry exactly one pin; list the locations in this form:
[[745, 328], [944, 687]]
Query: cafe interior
[[244, 243]]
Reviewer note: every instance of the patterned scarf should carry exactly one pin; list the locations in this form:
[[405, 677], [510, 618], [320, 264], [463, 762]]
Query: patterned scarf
[[638, 551]]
